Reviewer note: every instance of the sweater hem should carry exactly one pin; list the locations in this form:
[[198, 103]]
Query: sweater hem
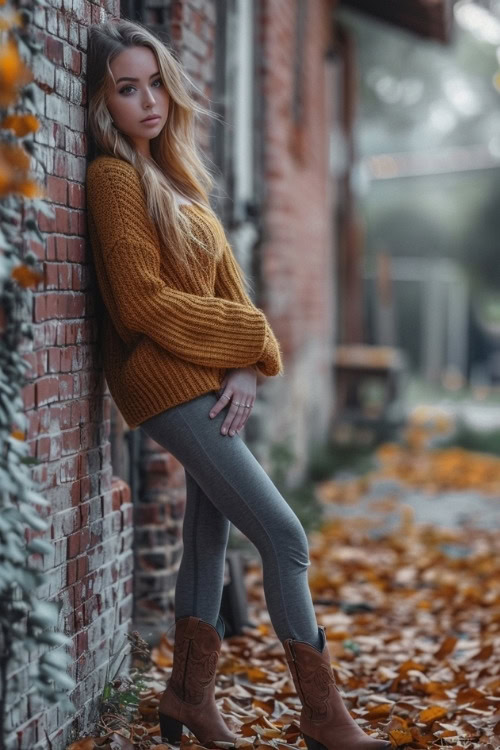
[[135, 422]]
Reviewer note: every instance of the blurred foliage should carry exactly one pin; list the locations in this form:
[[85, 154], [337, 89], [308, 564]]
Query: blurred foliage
[[301, 497], [471, 439], [333, 456], [32, 662]]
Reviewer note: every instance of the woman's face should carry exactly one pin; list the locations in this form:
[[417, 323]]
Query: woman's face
[[138, 92]]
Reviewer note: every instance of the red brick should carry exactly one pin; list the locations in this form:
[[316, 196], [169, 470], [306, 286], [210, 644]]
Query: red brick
[[28, 396], [85, 488], [61, 247], [76, 250], [43, 448], [65, 275], [51, 247], [62, 219], [66, 358], [76, 305], [83, 566], [47, 390], [82, 643], [39, 308], [50, 276], [54, 359], [41, 362], [54, 49], [31, 359], [76, 195], [70, 440], [78, 281], [75, 493], [57, 189], [73, 544], [51, 304], [55, 446], [71, 572]]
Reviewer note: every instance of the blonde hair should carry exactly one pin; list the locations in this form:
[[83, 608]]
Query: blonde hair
[[175, 162]]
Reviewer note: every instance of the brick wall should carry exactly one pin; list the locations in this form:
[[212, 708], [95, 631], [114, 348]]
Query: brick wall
[[298, 268], [90, 514]]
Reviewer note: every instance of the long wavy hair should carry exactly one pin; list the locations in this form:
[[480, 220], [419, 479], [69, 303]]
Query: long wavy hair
[[175, 163]]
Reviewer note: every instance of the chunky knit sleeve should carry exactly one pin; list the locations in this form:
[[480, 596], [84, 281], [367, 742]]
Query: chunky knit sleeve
[[229, 285], [206, 331]]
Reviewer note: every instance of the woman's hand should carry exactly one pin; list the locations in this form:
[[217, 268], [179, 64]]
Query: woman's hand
[[239, 388]]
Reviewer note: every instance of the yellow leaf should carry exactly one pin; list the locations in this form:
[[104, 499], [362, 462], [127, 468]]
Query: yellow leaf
[[383, 709], [255, 674], [432, 713]]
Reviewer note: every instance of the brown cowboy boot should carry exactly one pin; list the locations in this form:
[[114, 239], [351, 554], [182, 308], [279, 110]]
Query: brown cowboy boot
[[189, 697], [325, 722]]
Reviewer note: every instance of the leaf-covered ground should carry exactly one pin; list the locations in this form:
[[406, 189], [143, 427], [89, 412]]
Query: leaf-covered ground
[[411, 613]]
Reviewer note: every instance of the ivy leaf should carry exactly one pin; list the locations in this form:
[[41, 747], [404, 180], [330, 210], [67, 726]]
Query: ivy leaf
[[32, 518]]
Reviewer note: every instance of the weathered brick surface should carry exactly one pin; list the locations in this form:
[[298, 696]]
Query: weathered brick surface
[[297, 250], [90, 567], [158, 538]]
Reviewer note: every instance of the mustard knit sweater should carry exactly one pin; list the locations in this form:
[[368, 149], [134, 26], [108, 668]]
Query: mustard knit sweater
[[168, 336]]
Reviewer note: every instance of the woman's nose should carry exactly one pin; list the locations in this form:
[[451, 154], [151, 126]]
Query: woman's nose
[[149, 99]]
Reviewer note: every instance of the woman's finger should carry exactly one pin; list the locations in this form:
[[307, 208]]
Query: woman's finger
[[232, 418], [222, 402], [245, 416]]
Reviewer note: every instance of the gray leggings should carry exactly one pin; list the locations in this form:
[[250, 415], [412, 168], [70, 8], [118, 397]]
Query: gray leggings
[[226, 484]]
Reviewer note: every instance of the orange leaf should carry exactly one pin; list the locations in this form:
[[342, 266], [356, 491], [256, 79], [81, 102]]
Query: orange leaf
[[21, 124], [432, 713], [26, 276], [468, 695], [30, 189], [267, 706], [407, 665], [255, 674], [400, 736], [15, 156], [383, 709], [485, 653], [446, 647]]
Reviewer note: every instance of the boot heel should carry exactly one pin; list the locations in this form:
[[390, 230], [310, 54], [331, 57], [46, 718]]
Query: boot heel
[[171, 729], [313, 744]]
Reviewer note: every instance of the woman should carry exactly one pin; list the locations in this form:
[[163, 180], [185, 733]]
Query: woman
[[182, 348]]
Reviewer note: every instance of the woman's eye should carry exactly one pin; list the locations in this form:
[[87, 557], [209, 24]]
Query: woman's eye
[[158, 80]]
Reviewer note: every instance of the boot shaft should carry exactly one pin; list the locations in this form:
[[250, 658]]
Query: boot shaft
[[196, 652], [312, 675]]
